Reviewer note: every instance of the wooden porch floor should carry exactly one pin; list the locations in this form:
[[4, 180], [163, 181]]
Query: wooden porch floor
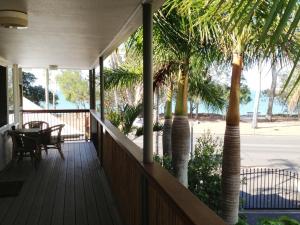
[[70, 192]]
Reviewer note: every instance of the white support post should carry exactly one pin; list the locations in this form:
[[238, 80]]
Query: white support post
[[20, 95], [148, 83], [47, 89], [16, 91]]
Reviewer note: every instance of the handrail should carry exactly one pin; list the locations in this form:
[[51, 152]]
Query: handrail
[[77, 121], [183, 200], [54, 110]]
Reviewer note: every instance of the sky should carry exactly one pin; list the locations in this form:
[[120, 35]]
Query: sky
[[251, 76]]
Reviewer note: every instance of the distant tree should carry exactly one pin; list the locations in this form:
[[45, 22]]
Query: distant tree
[[74, 87], [35, 93]]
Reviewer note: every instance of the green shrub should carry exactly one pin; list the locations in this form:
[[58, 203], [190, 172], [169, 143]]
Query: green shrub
[[156, 127], [165, 161], [242, 220], [139, 131], [125, 118], [115, 118], [129, 114], [205, 170], [284, 220]]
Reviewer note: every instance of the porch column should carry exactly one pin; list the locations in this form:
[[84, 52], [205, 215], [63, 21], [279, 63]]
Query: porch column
[[47, 89], [3, 96], [92, 89], [16, 82], [100, 128], [101, 88], [93, 123], [148, 83], [20, 76]]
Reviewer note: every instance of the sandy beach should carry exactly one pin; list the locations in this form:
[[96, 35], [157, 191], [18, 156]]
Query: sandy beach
[[264, 128]]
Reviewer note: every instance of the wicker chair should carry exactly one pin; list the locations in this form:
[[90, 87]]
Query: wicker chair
[[24, 146], [36, 124], [51, 138]]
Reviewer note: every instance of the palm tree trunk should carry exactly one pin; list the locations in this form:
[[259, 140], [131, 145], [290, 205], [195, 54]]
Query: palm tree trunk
[[157, 105], [231, 151], [167, 150], [272, 93], [157, 120], [181, 129]]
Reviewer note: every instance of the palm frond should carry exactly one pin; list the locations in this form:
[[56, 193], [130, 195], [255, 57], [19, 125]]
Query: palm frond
[[122, 77], [211, 93]]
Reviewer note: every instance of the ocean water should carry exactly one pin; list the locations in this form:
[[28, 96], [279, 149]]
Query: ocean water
[[244, 108], [64, 104], [278, 108]]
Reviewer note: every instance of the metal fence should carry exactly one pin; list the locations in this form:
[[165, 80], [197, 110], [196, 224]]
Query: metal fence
[[77, 122], [265, 188]]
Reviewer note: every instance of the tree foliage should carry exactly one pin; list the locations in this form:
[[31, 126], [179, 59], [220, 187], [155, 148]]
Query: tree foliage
[[74, 87], [35, 93]]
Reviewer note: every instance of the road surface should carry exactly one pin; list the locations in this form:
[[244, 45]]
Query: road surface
[[271, 151], [257, 150]]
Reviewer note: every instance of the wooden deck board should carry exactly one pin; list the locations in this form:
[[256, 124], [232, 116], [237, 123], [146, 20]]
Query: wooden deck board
[[60, 192], [92, 211], [105, 193], [69, 211], [20, 210], [80, 204]]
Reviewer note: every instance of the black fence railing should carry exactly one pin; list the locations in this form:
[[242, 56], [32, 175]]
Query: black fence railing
[[77, 121], [265, 188]]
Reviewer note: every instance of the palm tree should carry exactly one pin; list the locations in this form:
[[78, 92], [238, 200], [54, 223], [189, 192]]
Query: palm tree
[[164, 77], [251, 27], [175, 33]]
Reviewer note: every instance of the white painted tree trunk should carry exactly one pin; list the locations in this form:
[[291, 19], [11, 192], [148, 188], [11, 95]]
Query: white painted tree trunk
[[272, 93], [197, 109], [157, 119], [256, 99]]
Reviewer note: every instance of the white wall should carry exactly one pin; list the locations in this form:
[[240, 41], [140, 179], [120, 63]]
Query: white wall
[[5, 147]]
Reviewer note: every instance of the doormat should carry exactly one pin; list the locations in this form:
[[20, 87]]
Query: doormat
[[10, 188]]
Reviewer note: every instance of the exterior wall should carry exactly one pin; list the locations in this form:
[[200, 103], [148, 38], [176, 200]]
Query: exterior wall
[[5, 147], [5, 139], [3, 96]]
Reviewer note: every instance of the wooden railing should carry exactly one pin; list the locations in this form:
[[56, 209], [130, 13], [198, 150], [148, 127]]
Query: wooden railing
[[145, 193], [76, 121]]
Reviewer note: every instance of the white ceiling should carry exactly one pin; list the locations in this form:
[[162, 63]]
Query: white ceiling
[[69, 33]]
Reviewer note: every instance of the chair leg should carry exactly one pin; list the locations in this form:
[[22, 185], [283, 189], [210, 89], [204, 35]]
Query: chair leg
[[38, 153], [60, 151], [46, 149], [36, 159], [20, 157], [32, 159]]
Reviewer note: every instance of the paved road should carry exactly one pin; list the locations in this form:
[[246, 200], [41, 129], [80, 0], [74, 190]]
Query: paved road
[[275, 151], [271, 151]]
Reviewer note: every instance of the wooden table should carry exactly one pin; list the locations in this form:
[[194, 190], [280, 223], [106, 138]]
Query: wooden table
[[29, 131]]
